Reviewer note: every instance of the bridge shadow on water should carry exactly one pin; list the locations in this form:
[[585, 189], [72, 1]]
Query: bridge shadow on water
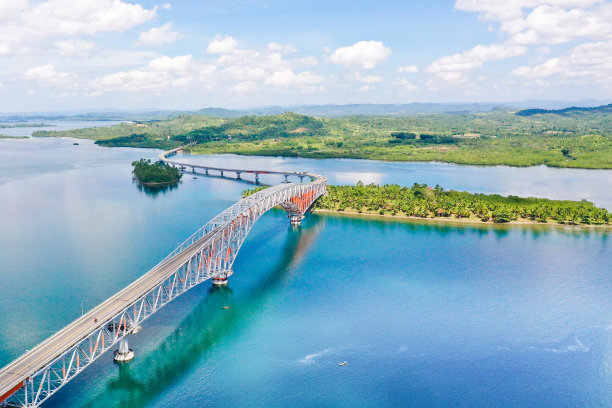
[[144, 379]]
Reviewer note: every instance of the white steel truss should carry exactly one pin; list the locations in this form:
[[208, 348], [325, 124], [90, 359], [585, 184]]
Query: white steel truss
[[208, 253]]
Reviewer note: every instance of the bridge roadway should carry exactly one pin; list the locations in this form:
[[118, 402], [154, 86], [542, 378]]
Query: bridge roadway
[[43, 354], [35, 366]]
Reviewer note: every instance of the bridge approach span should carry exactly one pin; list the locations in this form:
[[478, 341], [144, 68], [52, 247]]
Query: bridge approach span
[[208, 254]]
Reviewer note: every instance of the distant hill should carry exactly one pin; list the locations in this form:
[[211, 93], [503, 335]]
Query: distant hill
[[566, 111], [370, 109]]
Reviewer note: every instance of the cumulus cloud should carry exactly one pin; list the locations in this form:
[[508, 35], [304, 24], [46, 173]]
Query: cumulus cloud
[[222, 45], [160, 74], [368, 79], [405, 85], [48, 76], [74, 47], [546, 21], [286, 78], [361, 55], [159, 35], [408, 69], [590, 61], [453, 68], [242, 70], [28, 26], [282, 49]]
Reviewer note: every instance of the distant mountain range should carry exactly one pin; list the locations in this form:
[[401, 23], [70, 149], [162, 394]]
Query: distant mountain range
[[528, 108], [566, 111]]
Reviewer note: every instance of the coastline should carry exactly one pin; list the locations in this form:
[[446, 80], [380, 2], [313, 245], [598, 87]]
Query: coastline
[[448, 220], [205, 152], [162, 184]]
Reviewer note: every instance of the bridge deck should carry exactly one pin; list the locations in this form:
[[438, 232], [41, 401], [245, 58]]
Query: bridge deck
[[16, 372]]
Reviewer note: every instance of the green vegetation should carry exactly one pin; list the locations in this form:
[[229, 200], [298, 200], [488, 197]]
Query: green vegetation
[[20, 125], [155, 173], [12, 137], [576, 138], [427, 202], [157, 134]]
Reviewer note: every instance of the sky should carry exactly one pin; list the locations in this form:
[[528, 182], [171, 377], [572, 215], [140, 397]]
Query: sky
[[128, 54]]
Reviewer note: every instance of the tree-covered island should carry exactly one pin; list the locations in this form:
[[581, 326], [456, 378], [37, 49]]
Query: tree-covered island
[[422, 201], [155, 174]]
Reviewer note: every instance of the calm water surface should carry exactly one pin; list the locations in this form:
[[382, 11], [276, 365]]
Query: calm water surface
[[426, 315]]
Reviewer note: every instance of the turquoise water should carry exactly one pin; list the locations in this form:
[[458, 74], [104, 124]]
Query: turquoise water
[[426, 315]]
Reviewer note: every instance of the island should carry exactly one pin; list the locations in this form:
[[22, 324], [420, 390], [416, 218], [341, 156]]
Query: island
[[424, 202], [155, 174]]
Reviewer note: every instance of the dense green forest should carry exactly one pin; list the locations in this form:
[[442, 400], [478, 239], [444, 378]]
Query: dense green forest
[[429, 202], [581, 138], [155, 173]]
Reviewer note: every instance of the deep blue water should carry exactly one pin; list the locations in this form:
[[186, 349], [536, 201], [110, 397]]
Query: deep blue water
[[426, 315]]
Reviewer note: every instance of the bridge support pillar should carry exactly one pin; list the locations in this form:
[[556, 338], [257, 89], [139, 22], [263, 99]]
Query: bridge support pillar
[[124, 353], [206, 172], [238, 175], [296, 219], [221, 278], [256, 178], [221, 173]]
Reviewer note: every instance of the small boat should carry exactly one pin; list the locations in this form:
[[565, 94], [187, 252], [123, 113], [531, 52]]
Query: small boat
[[342, 364], [195, 177], [75, 144], [226, 307]]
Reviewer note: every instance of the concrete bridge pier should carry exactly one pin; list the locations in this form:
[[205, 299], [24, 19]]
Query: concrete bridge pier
[[124, 353], [206, 172], [296, 219], [221, 278], [221, 173], [286, 178], [238, 175], [256, 178]]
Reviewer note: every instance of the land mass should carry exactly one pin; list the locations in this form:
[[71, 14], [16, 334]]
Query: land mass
[[424, 202], [577, 138], [155, 174], [20, 125]]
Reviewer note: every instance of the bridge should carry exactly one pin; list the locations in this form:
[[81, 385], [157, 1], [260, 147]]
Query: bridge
[[208, 254]]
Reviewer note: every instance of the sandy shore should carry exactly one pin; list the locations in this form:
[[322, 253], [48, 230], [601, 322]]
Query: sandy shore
[[474, 221]]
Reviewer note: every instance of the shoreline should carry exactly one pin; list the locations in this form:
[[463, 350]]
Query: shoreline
[[447, 220], [314, 157], [162, 184]]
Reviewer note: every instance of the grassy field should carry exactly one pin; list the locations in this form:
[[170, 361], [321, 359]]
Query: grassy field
[[501, 137]]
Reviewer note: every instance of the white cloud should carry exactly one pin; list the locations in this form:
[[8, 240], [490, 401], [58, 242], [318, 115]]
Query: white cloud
[[282, 49], [244, 87], [361, 55], [162, 73], [368, 79], [28, 26], [590, 62], [286, 78], [159, 35], [502, 10], [47, 75], [222, 45], [546, 21], [405, 85], [408, 69], [242, 70], [452, 69], [74, 47]]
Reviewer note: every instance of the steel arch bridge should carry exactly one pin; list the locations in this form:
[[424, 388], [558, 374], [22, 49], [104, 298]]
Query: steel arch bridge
[[209, 253]]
